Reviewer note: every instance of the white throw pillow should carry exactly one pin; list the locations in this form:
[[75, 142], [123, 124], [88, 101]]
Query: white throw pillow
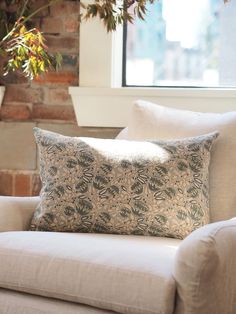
[[150, 121]]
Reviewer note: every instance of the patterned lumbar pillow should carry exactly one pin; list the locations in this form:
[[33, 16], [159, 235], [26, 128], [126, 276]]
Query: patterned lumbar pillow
[[156, 188]]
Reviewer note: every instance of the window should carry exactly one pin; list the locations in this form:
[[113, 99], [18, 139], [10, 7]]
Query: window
[[182, 43], [101, 101]]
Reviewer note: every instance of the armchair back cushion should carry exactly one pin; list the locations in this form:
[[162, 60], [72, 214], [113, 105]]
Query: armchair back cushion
[[16, 212], [151, 121]]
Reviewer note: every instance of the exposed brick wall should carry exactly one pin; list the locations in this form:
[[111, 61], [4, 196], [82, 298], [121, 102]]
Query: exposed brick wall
[[19, 183], [45, 102], [46, 98]]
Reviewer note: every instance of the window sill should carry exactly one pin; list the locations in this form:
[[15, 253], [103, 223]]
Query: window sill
[[110, 107]]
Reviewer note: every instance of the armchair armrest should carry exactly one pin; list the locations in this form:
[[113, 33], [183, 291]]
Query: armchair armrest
[[16, 212], [205, 270]]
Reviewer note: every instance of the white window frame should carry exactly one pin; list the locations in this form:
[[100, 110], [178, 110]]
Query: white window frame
[[101, 101]]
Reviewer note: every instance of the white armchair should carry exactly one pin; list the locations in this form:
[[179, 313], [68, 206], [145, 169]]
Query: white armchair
[[66, 273], [204, 268]]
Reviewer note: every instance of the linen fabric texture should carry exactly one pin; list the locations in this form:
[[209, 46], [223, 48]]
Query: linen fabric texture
[[205, 270], [157, 188], [151, 121], [27, 303], [124, 274]]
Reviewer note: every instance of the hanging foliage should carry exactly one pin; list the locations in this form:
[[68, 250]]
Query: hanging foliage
[[115, 12], [21, 45]]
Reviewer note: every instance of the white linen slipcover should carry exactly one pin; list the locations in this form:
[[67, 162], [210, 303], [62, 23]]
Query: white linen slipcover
[[126, 274], [205, 270], [12, 302]]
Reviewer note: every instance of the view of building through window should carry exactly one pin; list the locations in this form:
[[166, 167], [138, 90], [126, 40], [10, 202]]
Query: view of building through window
[[183, 43]]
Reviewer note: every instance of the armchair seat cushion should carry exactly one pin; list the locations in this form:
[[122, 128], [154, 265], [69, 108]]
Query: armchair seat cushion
[[124, 274]]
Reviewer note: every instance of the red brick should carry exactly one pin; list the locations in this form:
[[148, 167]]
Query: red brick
[[71, 25], [6, 184], [37, 22], [35, 185], [38, 4], [22, 94], [63, 44], [22, 185], [58, 96], [12, 78], [65, 8], [65, 77], [42, 112], [15, 113], [52, 25]]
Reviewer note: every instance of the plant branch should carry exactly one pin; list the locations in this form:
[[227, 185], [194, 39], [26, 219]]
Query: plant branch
[[24, 7], [21, 21]]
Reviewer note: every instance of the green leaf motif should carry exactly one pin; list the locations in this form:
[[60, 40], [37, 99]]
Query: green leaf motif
[[125, 164], [170, 192], [58, 191], [106, 168], [113, 190], [100, 228], [100, 182], [182, 166], [71, 163], [194, 147], [125, 212], [155, 184], [85, 159], [181, 215], [82, 187], [137, 188], [52, 171], [83, 207], [139, 208], [161, 219], [196, 212], [195, 167], [155, 231], [48, 218], [139, 164], [69, 211], [208, 145], [193, 192], [60, 146], [162, 171], [105, 217]]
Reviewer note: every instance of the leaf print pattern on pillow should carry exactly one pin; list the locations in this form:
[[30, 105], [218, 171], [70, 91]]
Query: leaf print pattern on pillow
[[155, 188]]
